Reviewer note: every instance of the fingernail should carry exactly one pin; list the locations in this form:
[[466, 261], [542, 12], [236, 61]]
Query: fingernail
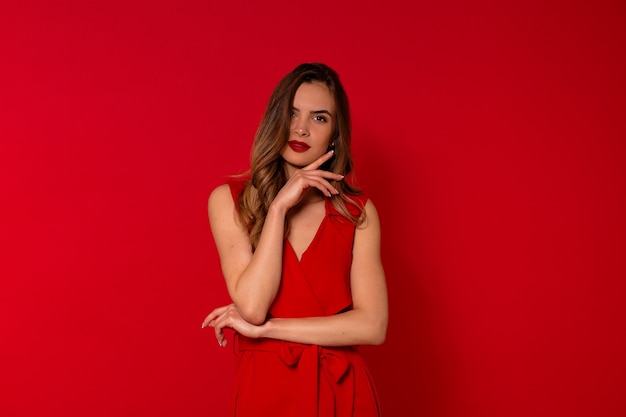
[[332, 151]]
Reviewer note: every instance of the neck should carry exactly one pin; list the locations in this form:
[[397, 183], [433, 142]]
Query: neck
[[312, 195], [289, 169]]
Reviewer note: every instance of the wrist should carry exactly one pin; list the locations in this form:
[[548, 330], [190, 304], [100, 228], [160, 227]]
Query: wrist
[[266, 330], [276, 209]]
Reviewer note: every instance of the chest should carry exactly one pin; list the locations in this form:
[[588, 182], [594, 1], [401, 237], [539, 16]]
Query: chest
[[304, 226]]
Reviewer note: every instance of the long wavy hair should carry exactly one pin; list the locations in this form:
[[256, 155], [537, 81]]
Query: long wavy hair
[[267, 174]]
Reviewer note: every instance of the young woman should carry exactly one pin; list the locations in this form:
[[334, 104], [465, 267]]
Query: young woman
[[299, 247]]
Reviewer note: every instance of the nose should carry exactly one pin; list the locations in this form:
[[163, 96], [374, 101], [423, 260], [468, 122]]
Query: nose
[[300, 128]]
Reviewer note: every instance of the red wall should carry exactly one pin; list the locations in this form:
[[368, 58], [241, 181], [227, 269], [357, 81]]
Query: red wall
[[491, 138]]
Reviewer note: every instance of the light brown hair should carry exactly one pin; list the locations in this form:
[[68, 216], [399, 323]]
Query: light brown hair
[[267, 173]]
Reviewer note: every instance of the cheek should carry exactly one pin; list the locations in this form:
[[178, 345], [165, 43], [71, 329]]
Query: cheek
[[326, 133]]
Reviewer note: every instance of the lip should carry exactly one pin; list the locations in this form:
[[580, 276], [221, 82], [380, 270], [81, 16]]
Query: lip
[[298, 146]]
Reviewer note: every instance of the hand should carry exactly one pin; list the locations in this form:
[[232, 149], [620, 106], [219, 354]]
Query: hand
[[304, 179], [229, 317]]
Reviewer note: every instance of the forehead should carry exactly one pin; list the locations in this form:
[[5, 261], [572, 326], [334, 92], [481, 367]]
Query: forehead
[[314, 96]]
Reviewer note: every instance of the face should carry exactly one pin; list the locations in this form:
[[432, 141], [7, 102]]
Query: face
[[312, 125]]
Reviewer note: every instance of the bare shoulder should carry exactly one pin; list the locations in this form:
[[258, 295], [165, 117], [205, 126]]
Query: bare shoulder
[[221, 206], [220, 196], [367, 234], [371, 216], [224, 221]]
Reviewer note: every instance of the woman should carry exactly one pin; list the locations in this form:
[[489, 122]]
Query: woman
[[299, 247]]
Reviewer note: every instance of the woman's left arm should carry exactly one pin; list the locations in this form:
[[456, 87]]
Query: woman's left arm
[[365, 324]]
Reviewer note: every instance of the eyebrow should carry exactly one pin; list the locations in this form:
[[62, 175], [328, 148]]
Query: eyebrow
[[315, 111]]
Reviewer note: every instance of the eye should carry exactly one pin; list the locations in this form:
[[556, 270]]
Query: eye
[[293, 114], [319, 118]]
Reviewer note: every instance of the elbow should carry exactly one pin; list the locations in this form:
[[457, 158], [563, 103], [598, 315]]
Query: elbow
[[379, 336], [379, 340], [251, 309], [256, 319], [253, 315], [378, 332]]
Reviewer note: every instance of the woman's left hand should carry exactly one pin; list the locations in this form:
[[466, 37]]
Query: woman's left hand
[[229, 317]]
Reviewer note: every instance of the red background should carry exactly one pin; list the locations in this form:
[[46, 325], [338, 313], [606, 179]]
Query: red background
[[491, 138]]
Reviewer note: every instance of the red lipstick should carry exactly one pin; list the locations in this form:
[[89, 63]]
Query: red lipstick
[[298, 146]]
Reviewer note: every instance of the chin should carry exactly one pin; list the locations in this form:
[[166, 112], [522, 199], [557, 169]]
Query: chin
[[299, 160]]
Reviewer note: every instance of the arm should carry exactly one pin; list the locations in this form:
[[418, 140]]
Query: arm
[[253, 279], [366, 323]]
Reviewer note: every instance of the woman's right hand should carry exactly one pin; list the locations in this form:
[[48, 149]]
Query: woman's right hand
[[304, 179], [228, 317]]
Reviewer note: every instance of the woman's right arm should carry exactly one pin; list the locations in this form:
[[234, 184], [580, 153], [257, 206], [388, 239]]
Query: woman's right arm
[[253, 279]]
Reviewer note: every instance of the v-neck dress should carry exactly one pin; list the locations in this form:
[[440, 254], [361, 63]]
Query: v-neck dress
[[278, 378]]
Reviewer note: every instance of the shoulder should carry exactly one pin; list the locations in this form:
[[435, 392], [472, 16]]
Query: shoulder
[[370, 215], [220, 193], [369, 205], [228, 192], [221, 201], [367, 239]]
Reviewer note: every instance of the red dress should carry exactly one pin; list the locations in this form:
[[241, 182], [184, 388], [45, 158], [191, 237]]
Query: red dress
[[277, 378]]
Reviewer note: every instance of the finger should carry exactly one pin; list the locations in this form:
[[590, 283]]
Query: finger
[[326, 189], [219, 325], [319, 161], [207, 320], [322, 184], [325, 174], [219, 335], [213, 315]]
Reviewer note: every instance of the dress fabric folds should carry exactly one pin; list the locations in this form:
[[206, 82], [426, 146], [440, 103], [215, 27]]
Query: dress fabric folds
[[279, 379]]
